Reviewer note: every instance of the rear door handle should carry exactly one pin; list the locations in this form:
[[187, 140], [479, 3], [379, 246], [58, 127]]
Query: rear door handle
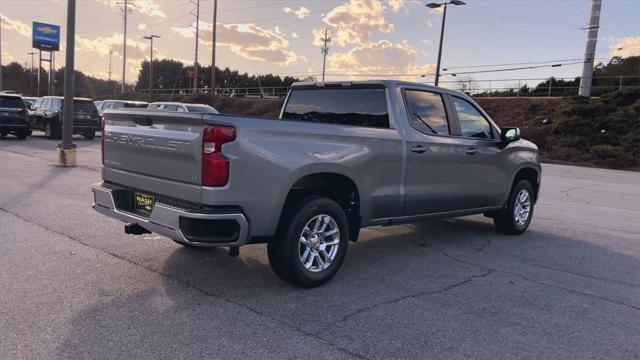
[[471, 151], [419, 149]]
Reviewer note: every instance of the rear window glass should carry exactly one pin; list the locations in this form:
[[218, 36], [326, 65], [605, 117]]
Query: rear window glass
[[201, 109], [136, 105], [11, 102], [358, 107], [84, 106]]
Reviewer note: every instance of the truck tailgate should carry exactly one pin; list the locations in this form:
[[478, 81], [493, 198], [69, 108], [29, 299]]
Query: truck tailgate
[[161, 145]]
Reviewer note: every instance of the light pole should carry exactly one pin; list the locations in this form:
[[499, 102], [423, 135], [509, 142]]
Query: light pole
[[67, 149], [151, 37], [213, 48], [31, 73], [444, 17]]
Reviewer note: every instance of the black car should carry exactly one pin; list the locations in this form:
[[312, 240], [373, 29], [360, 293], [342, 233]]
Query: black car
[[13, 116], [46, 115]]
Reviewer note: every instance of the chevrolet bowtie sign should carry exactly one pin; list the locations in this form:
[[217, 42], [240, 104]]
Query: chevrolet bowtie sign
[[46, 36]]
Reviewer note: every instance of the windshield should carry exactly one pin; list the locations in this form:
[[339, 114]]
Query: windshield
[[11, 102], [201, 109]]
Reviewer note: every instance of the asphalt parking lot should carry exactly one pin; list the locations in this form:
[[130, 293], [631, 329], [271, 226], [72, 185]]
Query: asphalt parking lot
[[73, 285]]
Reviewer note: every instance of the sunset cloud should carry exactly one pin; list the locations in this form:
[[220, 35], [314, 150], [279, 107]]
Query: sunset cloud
[[630, 47], [249, 41], [146, 7], [15, 25], [380, 58], [354, 22], [301, 13], [136, 49], [396, 5]]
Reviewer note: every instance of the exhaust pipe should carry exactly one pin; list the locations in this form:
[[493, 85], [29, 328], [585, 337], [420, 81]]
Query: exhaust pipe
[[135, 229]]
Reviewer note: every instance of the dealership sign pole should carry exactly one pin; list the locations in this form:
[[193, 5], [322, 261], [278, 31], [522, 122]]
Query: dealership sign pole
[[46, 37]]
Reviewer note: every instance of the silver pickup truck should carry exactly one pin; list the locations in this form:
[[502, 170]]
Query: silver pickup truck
[[341, 156]]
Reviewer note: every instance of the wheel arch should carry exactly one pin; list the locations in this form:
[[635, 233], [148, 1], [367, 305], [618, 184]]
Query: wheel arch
[[530, 174], [335, 185]]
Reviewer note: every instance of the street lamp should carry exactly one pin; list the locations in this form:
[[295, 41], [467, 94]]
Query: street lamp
[[151, 37], [444, 17]]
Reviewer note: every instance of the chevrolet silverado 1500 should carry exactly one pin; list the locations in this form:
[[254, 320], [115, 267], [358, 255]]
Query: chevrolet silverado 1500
[[341, 156]]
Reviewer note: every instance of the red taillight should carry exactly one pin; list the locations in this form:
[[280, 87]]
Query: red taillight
[[215, 167], [102, 139]]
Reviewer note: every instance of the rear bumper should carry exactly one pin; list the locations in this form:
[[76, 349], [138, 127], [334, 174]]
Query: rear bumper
[[205, 229]]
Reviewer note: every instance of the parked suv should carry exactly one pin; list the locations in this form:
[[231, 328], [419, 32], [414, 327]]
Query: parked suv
[[46, 115], [342, 156], [13, 116]]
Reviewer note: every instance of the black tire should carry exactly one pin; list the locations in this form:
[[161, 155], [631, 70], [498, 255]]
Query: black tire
[[29, 132], [89, 135], [284, 250], [506, 220], [52, 130], [4, 133], [22, 134]]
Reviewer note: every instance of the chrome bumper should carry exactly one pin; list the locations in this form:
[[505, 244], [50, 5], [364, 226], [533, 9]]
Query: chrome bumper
[[165, 219]]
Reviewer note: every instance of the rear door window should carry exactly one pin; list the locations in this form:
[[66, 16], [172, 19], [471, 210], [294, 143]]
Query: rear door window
[[345, 106], [170, 107], [427, 112]]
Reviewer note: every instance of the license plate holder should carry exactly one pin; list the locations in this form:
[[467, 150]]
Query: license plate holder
[[143, 203]]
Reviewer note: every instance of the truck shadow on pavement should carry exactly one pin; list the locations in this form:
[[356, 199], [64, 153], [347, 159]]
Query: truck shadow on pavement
[[210, 305]]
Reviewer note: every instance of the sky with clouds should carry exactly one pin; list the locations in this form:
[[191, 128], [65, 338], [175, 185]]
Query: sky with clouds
[[369, 38]]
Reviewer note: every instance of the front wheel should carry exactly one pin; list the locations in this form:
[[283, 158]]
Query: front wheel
[[52, 130], [22, 134], [89, 135], [311, 243], [516, 217]]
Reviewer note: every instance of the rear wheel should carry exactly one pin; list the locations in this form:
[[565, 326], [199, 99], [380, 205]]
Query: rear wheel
[[22, 134], [516, 217], [4, 133], [52, 130], [311, 243], [89, 135]]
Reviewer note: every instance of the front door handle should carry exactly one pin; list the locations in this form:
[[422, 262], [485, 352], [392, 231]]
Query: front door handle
[[419, 149], [471, 151]]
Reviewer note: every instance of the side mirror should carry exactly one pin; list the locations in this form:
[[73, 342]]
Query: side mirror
[[509, 134]]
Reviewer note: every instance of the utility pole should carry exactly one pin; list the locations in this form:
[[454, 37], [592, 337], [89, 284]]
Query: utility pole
[[67, 149], [109, 70], [213, 48], [195, 63], [150, 38], [325, 50], [1, 88], [31, 73], [125, 11], [590, 51]]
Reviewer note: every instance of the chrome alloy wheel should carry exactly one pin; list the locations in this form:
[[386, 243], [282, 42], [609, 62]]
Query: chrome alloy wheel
[[319, 242], [522, 207]]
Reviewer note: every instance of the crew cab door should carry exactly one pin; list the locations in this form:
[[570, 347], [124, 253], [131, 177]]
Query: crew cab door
[[436, 179]]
